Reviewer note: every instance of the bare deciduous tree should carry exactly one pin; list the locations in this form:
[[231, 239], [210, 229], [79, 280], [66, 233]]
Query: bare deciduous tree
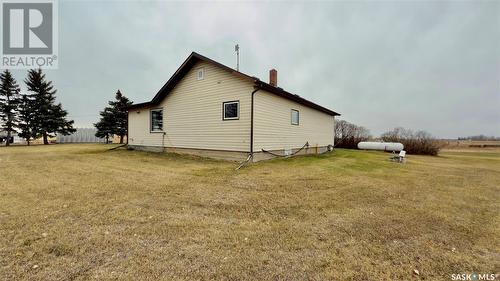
[[419, 142], [348, 135]]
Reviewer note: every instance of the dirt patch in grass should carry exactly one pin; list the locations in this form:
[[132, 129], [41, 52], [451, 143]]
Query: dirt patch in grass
[[81, 212]]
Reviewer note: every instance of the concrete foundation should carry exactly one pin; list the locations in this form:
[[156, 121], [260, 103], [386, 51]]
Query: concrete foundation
[[236, 156]]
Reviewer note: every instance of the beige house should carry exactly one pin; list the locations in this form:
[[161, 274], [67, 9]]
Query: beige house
[[212, 110]]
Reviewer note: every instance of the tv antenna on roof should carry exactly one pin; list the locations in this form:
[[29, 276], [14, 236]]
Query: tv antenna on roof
[[237, 50]]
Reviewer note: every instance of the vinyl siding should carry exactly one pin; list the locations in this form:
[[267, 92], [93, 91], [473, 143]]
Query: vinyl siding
[[192, 113], [273, 129], [138, 129]]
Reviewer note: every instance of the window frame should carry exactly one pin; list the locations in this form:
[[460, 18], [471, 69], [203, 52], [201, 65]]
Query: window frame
[[151, 120], [202, 70], [224, 110], [298, 117]]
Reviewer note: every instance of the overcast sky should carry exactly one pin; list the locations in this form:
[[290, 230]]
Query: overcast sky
[[432, 65]]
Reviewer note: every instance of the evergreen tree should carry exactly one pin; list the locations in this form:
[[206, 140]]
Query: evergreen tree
[[120, 113], [26, 118], [49, 117], [114, 118], [105, 125], [9, 102]]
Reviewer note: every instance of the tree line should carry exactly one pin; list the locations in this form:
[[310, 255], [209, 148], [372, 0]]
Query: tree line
[[480, 138], [348, 135], [415, 142], [35, 113], [32, 114]]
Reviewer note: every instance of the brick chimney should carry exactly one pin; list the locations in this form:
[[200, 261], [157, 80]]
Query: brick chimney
[[273, 77]]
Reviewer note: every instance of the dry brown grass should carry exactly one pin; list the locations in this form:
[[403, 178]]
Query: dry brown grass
[[79, 212], [470, 145]]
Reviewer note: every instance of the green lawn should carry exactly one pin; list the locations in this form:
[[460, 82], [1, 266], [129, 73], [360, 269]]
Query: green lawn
[[81, 212]]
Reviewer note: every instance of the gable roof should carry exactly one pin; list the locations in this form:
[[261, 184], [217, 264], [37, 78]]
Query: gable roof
[[258, 84]]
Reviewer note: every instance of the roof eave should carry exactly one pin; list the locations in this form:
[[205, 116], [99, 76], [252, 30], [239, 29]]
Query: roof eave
[[140, 105], [296, 98]]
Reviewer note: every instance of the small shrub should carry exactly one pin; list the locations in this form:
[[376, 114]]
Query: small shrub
[[419, 142]]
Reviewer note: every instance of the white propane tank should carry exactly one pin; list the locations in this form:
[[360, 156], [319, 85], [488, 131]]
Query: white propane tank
[[385, 146]]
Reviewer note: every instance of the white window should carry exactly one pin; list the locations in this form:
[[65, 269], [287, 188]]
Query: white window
[[157, 120], [231, 110], [295, 117], [200, 74]]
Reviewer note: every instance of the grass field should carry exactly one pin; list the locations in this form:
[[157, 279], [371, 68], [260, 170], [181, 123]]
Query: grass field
[[470, 145], [80, 212]]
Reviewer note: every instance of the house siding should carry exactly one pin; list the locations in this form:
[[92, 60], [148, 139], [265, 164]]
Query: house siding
[[192, 113], [273, 129]]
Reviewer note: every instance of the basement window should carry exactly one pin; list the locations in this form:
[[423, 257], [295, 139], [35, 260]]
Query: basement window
[[200, 74], [295, 117], [157, 120], [231, 110]]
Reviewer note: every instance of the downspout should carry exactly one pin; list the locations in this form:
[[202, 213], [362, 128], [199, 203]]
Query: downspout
[[251, 122], [250, 155]]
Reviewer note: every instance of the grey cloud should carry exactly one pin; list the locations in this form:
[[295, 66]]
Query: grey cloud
[[422, 65]]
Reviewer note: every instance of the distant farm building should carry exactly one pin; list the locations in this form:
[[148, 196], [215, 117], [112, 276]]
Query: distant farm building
[[14, 138], [82, 135]]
